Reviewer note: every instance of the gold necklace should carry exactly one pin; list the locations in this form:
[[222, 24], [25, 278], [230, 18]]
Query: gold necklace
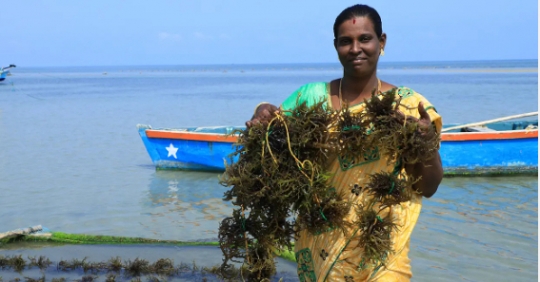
[[378, 90]]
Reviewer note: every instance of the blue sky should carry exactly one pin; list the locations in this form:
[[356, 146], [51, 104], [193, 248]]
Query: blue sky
[[134, 32]]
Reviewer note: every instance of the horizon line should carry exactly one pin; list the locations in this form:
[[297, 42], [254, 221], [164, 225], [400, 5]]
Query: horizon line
[[281, 63]]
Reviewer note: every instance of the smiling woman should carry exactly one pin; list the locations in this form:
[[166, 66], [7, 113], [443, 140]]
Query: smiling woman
[[346, 255]]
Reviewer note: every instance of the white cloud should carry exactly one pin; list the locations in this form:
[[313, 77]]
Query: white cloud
[[169, 36]]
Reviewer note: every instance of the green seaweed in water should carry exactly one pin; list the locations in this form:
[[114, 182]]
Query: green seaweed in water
[[88, 278], [111, 277], [137, 267], [29, 279], [41, 262], [17, 263]]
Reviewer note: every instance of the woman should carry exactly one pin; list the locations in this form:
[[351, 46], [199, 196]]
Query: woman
[[333, 255]]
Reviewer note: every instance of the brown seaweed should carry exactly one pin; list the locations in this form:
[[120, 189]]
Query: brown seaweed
[[389, 188], [352, 134], [374, 236], [280, 173], [397, 136]]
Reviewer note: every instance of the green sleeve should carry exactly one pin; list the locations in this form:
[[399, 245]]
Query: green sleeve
[[310, 93]]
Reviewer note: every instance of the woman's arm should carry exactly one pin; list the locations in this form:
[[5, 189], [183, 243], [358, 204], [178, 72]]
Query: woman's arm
[[429, 173]]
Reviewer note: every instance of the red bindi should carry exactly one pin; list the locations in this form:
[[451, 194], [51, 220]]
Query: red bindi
[[353, 21]]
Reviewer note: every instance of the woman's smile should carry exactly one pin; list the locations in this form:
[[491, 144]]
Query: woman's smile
[[358, 60]]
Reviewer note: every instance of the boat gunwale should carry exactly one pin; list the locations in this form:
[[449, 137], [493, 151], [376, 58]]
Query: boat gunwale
[[192, 136], [491, 135], [447, 136]]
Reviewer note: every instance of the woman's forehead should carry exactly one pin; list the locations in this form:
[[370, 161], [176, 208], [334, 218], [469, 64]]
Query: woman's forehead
[[356, 25]]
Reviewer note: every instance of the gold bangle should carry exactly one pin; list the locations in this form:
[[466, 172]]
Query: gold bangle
[[258, 105]]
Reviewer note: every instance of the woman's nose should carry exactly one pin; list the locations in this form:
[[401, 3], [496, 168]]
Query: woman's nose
[[355, 47]]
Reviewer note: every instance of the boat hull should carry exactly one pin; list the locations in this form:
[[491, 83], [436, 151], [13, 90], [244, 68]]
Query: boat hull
[[187, 154], [468, 153], [490, 157]]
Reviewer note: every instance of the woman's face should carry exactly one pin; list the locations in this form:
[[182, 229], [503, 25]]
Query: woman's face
[[358, 46]]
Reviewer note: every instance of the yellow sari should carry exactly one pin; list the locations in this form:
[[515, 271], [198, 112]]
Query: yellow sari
[[334, 255]]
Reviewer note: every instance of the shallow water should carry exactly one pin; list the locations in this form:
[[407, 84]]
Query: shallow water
[[73, 162]]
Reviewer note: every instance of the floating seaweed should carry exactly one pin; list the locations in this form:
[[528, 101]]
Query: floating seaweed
[[17, 263], [137, 267], [41, 262], [161, 270], [111, 277], [115, 264], [30, 279], [164, 266], [88, 278]]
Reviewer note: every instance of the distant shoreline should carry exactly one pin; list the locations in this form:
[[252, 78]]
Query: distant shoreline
[[521, 63], [488, 70]]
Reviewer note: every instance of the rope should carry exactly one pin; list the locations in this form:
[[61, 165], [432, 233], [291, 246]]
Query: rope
[[301, 164]]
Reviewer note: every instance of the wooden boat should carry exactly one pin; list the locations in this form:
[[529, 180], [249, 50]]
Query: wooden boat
[[499, 148], [5, 72]]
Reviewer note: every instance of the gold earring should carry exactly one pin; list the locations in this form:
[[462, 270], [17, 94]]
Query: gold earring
[[382, 52]]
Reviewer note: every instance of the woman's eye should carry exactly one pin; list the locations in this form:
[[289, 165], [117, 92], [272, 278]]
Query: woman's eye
[[365, 39]]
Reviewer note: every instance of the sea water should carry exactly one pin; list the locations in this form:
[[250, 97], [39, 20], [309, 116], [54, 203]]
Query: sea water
[[71, 158]]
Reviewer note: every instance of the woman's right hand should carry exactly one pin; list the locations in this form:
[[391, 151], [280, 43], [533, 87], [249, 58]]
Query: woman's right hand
[[263, 114]]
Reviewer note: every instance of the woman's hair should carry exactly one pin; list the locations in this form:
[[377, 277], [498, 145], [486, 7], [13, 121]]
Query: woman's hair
[[359, 11]]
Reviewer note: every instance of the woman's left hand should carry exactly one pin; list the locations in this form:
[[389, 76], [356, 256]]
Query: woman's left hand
[[424, 122], [429, 173]]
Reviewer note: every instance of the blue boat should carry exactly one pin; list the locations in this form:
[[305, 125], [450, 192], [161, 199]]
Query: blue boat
[[5, 72], [499, 148]]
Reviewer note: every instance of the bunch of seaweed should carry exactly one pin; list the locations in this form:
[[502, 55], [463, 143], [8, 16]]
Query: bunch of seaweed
[[352, 133], [398, 136], [374, 236], [403, 141], [389, 188], [280, 173], [374, 221], [17, 263]]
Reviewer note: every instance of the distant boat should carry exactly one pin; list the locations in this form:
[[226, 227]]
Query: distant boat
[[501, 148], [5, 71]]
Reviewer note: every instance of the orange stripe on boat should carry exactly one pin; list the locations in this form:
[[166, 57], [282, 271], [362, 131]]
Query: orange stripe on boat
[[497, 135], [195, 136], [458, 136]]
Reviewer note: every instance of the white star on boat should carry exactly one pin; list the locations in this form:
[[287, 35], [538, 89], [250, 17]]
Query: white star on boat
[[172, 151]]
